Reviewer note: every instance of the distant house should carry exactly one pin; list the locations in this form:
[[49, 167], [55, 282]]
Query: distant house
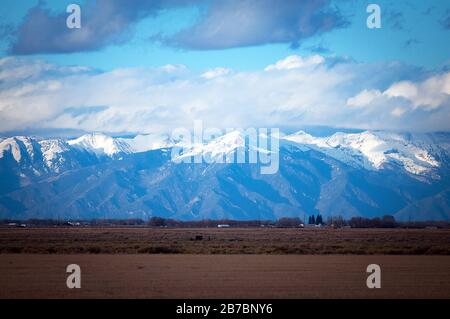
[[17, 225], [223, 226], [73, 224]]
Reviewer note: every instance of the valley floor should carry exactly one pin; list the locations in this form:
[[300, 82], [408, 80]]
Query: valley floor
[[277, 241], [223, 276]]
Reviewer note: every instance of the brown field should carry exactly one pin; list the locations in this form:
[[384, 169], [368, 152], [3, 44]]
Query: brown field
[[226, 263], [143, 240], [223, 276]]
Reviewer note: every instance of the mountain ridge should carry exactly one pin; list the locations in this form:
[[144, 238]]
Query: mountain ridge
[[345, 174]]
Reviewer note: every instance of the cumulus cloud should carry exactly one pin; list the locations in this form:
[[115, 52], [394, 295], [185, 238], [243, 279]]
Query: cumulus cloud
[[157, 100], [398, 111], [216, 72], [228, 24], [430, 93], [224, 24], [13, 70], [294, 62], [404, 89], [103, 22], [363, 98]]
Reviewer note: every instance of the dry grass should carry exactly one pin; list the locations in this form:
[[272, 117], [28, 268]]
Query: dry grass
[[224, 241]]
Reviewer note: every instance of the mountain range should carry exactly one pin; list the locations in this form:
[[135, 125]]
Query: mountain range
[[369, 173]]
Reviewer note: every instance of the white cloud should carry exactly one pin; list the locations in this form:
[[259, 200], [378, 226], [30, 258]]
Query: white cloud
[[434, 91], [430, 94], [174, 67], [156, 100], [216, 72], [295, 62], [15, 70], [365, 97], [405, 89], [398, 111]]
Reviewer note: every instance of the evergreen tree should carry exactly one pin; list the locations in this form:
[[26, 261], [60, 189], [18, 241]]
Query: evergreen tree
[[319, 219], [313, 219]]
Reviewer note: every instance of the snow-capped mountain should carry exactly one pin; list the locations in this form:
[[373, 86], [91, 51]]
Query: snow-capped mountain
[[148, 142], [17, 146], [371, 150], [216, 150], [53, 154], [101, 144], [95, 176]]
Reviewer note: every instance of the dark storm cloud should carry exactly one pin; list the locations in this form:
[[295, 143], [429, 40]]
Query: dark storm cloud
[[103, 22], [228, 24], [224, 24]]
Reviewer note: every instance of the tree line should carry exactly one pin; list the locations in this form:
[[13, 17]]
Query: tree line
[[386, 221]]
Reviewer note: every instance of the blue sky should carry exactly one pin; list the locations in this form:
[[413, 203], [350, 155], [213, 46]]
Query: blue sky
[[412, 32], [149, 66]]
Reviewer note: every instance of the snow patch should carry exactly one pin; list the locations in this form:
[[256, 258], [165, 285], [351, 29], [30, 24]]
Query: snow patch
[[14, 145], [148, 142], [217, 148], [101, 144], [370, 150]]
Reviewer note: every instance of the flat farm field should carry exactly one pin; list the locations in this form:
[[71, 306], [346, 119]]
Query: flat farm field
[[224, 263], [142, 240], [223, 276]]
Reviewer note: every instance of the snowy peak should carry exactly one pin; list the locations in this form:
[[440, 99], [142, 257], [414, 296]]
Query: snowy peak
[[147, 142], [58, 154], [101, 144], [371, 150], [218, 148], [226, 143], [10, 145], [359, 174], [18, 146], [53, 153], [381, 148], [302, 137]]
